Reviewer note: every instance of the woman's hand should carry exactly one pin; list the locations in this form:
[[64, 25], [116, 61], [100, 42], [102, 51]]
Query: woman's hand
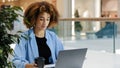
[[31, 65]]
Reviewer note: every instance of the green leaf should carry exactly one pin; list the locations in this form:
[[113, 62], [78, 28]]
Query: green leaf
[[7, 16]]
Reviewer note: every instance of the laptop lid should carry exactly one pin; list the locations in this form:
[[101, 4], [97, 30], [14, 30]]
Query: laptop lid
[[71, 58]]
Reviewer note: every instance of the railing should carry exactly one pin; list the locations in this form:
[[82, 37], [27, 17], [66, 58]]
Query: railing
[[90, 19]]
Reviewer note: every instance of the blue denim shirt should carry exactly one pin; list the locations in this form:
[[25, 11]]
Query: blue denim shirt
[[26, 51]]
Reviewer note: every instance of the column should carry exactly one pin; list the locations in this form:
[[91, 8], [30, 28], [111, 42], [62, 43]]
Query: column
[[118, 23], [96, 25], [65, 10]]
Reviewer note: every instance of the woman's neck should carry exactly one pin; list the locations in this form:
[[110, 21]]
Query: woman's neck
[[39, 33]]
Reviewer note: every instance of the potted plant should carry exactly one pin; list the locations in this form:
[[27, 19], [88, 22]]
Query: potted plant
[[7, 16], [78, 26]]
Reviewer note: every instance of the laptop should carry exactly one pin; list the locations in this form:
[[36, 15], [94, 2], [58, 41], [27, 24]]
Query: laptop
[[70, 58]]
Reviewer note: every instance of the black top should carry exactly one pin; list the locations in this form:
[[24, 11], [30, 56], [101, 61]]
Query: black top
[[44, 50]]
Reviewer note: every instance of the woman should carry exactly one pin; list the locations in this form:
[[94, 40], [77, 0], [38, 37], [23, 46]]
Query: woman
[[40, 42]]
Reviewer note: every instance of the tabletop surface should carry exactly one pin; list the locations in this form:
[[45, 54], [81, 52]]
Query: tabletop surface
[[95, 59]]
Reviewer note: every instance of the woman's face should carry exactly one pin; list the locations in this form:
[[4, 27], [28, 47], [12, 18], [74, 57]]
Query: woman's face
[[42, 21]]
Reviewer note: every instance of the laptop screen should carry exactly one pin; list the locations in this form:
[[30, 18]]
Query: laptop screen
[[71, 58]]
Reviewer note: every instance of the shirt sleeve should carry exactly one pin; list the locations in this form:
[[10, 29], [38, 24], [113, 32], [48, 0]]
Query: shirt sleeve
[[19, 54], [59, 45]]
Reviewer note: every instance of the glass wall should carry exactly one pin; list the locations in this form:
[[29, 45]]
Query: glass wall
[[105, 39]]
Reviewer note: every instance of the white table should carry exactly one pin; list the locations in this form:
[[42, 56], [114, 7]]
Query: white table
[[95, 59]]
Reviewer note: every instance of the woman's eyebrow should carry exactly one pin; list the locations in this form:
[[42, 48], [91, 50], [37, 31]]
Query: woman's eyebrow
[[48, 17], [41, 17]]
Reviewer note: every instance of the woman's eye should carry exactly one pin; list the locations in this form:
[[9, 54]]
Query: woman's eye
[[41, 19], [48, 19]]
